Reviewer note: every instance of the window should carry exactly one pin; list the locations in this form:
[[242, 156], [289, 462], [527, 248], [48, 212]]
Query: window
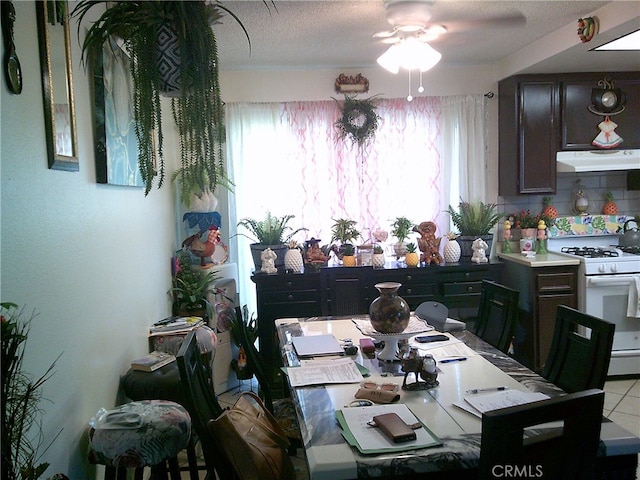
[[284, 158]]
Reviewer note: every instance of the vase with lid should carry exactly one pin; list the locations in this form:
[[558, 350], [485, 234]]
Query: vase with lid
[[389, 313]]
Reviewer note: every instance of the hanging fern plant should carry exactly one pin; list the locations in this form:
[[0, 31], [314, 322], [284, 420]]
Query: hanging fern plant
[[197, 109], [359, 121]]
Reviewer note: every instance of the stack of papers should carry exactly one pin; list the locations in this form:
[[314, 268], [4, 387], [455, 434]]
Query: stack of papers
[[175, 326], [477, 404], [370, 440], [321, 372]]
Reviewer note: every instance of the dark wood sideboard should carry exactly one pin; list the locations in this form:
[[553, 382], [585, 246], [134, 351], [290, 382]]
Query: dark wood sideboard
[[334, 291]]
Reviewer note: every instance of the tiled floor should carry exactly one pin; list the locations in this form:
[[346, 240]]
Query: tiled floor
[[621, 404]]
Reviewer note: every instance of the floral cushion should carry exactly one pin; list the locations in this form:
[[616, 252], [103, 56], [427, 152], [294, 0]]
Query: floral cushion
[[139, 434]]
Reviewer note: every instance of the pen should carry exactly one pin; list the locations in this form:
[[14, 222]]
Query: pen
[[494, 389], [449, 360]]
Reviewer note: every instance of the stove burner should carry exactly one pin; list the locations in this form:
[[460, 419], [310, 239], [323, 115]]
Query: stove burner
[[589, 252], [633, 249]]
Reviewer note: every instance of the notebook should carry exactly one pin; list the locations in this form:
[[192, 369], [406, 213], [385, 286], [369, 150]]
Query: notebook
[[316, 345]]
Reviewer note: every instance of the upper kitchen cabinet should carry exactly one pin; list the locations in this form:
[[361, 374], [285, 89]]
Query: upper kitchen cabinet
[[580, 125], [529, 111], [542, 114]]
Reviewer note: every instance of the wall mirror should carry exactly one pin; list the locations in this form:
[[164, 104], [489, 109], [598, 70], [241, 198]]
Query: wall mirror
[[57, 84]]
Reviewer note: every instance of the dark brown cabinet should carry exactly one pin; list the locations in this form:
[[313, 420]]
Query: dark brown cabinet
[[336, 291], [542, 289], [529, 110], [542, 114]]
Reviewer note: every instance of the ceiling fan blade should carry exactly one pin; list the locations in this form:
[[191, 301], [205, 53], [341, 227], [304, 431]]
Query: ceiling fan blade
[[384, 34], [507, 21]]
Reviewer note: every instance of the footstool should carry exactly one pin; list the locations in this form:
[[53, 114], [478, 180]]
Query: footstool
[[148, 433]]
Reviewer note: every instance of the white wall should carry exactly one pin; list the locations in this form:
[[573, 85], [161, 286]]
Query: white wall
[[93, 260]]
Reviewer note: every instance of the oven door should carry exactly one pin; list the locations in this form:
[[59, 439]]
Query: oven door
[[606, 297]]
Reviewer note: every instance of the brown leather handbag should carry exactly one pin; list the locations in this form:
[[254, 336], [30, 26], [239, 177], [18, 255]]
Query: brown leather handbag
[[253, 441]]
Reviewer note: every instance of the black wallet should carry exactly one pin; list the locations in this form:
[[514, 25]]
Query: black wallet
[[394, 427]]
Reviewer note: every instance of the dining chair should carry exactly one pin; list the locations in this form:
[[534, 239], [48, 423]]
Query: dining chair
[[202, 404], [510, 445], [498, 315], [282, 409], [580, 351]]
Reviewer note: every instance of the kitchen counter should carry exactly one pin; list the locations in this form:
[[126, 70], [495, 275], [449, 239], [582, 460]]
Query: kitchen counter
[[540, 260]]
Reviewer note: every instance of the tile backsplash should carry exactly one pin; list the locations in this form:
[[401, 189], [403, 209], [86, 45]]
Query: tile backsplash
[[595, 186]]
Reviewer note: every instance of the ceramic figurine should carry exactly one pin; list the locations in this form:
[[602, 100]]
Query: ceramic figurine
[[479, 248], [507, 237], [542, 236], [268, 258], [422, 368], [428, 244]]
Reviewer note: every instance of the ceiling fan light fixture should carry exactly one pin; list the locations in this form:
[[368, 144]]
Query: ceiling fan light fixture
[[410, 54]]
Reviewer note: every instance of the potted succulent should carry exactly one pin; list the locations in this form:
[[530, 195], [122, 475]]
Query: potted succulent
[[272, 232], [178, 36], [473, 220], [190, 288], [377, 259], [401, 228]]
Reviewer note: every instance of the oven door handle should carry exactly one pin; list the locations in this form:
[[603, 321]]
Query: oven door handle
[[610, 280]]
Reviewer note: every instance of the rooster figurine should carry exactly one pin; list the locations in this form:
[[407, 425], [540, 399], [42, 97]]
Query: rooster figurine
[[203, 249]]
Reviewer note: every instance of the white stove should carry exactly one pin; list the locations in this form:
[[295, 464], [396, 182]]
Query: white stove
[[606, 275]]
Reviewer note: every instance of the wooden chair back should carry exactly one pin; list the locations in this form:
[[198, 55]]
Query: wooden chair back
[[510, 448], [498, 315], [580, 351], [202, 404]]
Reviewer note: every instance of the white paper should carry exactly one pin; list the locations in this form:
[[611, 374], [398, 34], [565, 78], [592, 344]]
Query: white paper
[[415, 326], [451, 349], [372, 438], [483, 402], [321, 372]]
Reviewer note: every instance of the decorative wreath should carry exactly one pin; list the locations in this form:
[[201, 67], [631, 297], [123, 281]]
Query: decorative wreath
[[359, 120]]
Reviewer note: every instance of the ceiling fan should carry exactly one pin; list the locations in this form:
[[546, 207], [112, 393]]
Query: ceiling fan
[[427, 20]]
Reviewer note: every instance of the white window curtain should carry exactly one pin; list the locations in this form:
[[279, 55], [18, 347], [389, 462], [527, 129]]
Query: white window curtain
[[284, 158]]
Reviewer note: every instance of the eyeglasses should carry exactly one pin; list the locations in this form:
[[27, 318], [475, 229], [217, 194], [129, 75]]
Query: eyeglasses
[[387, 387]]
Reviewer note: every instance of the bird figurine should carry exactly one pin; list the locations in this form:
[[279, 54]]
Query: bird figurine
[[203, 249]]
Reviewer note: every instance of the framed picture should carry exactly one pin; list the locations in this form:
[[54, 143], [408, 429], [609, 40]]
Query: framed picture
[[116, 146]]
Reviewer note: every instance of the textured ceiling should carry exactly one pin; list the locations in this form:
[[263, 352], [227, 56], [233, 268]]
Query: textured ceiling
[[339, 33]]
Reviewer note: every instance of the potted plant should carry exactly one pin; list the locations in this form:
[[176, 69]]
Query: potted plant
[[527, 223], [378, 260], [400, 228], [177, 36], [272, 232], [21, 396], [473, 220], [192, 194], [190, 289], [244, 332], [344, 231]]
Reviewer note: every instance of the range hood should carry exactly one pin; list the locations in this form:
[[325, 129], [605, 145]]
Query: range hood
[[598, 160]]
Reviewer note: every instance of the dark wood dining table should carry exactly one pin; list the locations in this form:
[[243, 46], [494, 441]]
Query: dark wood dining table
[[330, 457]]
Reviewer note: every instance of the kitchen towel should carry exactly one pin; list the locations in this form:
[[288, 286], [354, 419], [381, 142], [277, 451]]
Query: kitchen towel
[[633, 305]]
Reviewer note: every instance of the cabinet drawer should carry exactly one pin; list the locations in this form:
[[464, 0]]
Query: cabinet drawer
[[289, 296], [551, 283], [420, 289], [461, 288]]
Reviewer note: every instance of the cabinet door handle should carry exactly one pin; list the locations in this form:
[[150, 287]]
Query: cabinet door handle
[[289, 284], [409, 291], [467, 274], [469, 289], [289, 297], [408, 278]]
